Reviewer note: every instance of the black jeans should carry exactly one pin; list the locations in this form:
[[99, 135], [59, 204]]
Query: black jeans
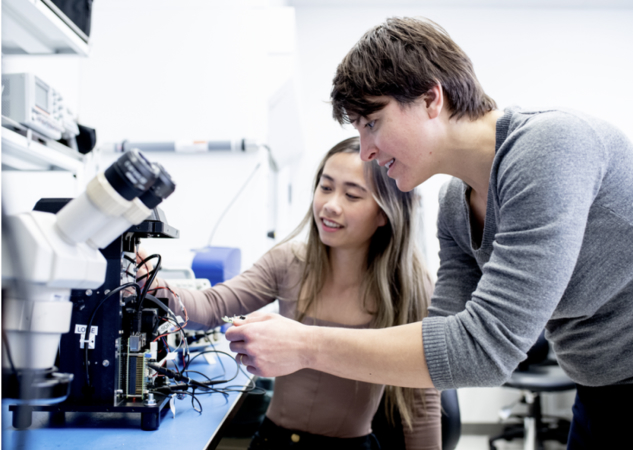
[[603, 418], [273, 437]]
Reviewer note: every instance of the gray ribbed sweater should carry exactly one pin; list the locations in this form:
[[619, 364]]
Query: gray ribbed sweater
[[557, 252]]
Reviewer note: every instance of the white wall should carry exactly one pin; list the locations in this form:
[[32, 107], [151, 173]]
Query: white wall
[[577, 58], [163, 71]]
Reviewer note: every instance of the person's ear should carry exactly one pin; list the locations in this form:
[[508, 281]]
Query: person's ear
[[434, 101], [382, 218]]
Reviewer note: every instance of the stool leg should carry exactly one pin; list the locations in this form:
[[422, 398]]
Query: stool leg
[[530, 434], [529, 423]]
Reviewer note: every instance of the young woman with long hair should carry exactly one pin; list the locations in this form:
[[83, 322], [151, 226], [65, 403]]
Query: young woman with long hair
[[360, 268]]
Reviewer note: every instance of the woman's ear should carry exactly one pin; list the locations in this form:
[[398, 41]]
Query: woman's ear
[[382, 218]]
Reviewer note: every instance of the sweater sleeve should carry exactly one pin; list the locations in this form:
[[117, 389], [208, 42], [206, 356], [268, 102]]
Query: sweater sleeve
[[544, 179], [459, 273], [426, 432], [245, 293]]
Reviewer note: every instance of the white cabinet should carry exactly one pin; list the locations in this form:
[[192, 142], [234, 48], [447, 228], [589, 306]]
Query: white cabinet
[[38, 27]]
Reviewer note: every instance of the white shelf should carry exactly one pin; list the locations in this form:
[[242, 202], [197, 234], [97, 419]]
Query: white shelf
[[39, 27], [24, 153]]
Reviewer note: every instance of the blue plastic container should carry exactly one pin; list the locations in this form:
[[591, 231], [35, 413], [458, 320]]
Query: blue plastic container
[[217, 264]]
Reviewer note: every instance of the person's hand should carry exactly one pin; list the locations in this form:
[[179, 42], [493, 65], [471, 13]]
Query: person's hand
[[144, 269], [269, 345]]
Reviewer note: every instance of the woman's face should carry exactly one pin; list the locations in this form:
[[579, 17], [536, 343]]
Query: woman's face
[[346, 214]]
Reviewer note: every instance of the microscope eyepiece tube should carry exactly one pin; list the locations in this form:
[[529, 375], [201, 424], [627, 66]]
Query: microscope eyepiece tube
[[160, 190], [107, 196], [140, 208], [131, 175]]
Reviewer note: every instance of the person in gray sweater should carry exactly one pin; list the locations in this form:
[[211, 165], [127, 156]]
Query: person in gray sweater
[[535, 230]]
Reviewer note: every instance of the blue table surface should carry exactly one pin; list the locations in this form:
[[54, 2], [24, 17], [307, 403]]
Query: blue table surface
[[94, 431]]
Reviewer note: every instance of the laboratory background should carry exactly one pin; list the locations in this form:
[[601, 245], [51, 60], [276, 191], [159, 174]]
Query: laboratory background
[[232, 99]]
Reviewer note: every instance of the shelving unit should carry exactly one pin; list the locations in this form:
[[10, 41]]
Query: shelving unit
[[20, 152], [34, 28], [38, 27]]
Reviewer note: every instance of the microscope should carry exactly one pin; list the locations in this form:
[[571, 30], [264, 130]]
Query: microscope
[[79, 333]]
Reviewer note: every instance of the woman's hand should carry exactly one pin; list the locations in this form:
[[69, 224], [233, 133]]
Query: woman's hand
[[268, 344], [144, 269]]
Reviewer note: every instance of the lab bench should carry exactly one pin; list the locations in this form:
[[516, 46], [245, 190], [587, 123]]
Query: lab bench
[[100, 431]]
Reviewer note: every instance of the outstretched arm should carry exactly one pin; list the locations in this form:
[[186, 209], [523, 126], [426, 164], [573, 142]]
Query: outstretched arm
[[246, 292], [272, 345]]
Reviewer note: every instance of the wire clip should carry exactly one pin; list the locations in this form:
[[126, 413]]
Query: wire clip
[[81, 330]]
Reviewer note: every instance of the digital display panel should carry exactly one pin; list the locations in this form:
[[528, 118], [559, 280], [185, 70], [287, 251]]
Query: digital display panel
[[41, 96]]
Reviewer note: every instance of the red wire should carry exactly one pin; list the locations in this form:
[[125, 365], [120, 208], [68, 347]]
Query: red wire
[[175, 295], [186, 317], [175, 331]]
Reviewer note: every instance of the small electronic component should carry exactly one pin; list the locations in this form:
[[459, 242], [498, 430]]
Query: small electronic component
[[134, 343]]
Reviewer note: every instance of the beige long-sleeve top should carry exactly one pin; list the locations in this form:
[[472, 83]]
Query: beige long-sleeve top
[[307, 400]]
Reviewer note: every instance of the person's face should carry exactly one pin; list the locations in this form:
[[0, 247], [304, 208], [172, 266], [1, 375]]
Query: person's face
[[403, 139], [346, 214]]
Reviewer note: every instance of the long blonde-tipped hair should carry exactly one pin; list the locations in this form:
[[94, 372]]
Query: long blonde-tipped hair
[[396, 287]]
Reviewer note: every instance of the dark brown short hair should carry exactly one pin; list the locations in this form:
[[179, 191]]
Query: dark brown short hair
[[404, 58]]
